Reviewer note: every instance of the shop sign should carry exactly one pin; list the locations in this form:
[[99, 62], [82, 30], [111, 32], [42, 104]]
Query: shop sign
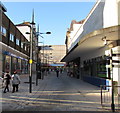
[[10, 54]]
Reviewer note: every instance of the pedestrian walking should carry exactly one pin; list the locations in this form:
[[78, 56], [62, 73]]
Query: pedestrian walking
[[61, 70], [57, 72], [15, 82], [6, 81], [43, 72]]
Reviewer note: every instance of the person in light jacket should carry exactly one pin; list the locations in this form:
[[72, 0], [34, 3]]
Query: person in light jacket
[[15, 82]]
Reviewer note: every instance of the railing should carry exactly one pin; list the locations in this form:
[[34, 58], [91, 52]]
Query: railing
[[106, 97]]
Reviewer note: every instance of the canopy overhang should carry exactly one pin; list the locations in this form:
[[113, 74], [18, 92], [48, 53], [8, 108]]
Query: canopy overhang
[[56, 65], [93, 41]]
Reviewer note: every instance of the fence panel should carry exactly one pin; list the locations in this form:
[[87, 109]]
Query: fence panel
[[106, 97]]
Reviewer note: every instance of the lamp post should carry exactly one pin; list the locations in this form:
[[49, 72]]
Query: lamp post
[[31, 52], [111, 68], [38, 68], [39, 63], [31, 25]]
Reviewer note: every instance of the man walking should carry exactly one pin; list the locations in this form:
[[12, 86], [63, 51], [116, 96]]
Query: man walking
[[57, 72]]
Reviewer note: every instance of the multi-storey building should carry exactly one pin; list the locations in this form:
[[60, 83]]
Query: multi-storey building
[[94, 48], [52, 55], [14, 46], [25, 29]]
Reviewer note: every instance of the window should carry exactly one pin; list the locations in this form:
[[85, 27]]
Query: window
[[22, 44], [12, 37], [28, 49], [7, 63], [0, 29], [3, 31], [25, 48], [17, 41]]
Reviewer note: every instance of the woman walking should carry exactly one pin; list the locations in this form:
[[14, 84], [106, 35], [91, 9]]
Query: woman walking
[[15, 82]]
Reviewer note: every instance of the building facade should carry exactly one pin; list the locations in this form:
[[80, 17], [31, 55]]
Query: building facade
[[14, 49], [52, 55], [25, 29], [95, 44]]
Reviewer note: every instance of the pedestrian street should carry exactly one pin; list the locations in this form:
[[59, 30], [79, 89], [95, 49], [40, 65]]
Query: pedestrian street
[[53, 93]]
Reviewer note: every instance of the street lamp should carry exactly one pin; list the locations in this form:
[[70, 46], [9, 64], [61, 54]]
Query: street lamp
[[37, 34], [31, 25], [38, 68]]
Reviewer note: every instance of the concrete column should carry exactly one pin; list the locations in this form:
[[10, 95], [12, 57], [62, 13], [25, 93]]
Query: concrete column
[[0, 55], [118, 4]]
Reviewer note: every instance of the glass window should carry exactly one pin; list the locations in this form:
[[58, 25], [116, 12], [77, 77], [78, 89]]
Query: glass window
[[25, 48], [14, 64], [7, 63], [28, 49], [19, 65], [12, 37], [101, 67], [0, 29], [18, 42], [24, 66], [4, 31], [22, 44]]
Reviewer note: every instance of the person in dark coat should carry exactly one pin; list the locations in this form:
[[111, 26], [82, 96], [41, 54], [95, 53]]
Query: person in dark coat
[[6, 80], [57, 72], [43, 73]]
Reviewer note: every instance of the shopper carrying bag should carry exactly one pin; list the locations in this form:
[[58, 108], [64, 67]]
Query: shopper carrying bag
[[15, 82]]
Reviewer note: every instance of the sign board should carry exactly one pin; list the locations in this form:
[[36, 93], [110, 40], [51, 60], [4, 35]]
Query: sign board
[[30, 61]]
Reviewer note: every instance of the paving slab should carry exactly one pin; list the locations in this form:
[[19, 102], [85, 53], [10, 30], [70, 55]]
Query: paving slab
[[53, 93]]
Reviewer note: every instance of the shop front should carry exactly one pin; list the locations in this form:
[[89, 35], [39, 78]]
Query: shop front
[[94, 64], [12, 62]]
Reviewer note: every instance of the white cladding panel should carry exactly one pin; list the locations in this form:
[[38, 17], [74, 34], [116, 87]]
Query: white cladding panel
[[103, 15], [23, 30], [110, 13]]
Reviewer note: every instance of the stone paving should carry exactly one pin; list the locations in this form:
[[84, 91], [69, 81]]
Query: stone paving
[[53, 94]]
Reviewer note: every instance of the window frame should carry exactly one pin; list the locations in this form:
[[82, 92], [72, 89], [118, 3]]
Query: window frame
[[12, 37], [3, 31], [17, 42]]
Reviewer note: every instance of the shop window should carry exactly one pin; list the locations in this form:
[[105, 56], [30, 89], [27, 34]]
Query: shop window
[[102, 70], [96, 67], [14, 64], [11, 37], [19, 65], [24, 66], [7, 63]]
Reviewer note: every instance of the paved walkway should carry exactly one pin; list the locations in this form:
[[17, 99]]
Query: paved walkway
[[53, 94]]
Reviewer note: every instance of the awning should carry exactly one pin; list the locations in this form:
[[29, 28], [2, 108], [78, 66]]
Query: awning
[[91, 42], [57, 64]]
